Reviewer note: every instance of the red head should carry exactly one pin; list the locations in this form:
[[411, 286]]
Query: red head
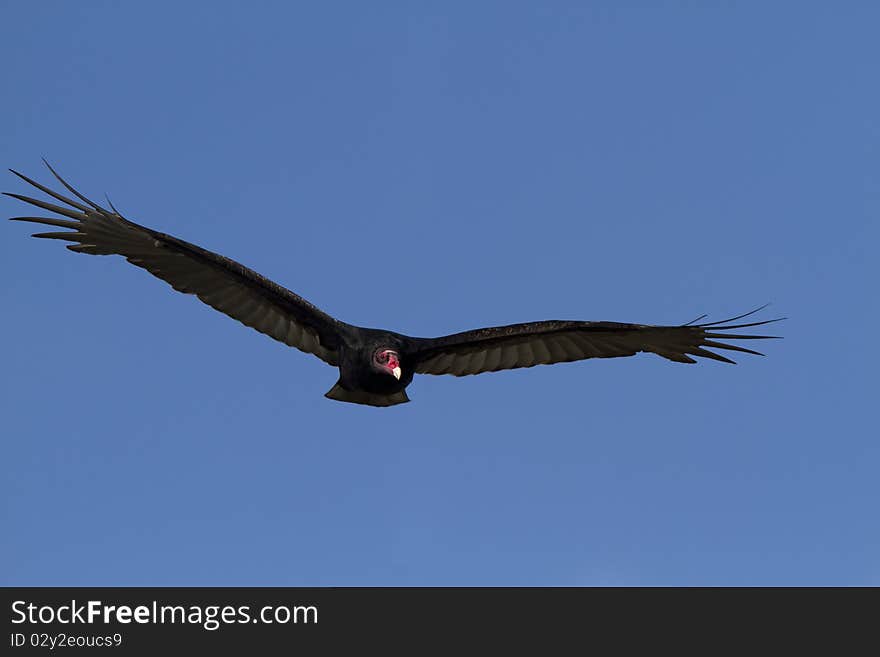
[[387, 361]]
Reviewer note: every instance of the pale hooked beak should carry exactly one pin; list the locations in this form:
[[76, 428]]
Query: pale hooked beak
[[396, 373]]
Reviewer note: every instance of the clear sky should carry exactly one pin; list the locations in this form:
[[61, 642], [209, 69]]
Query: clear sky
[[430, 169]]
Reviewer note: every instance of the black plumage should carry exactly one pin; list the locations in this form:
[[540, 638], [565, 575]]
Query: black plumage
[[375, 366]]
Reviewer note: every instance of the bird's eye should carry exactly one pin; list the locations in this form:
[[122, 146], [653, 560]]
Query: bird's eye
[[383, 357]]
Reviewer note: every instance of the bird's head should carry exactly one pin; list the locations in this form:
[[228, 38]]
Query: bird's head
[[387, 361]]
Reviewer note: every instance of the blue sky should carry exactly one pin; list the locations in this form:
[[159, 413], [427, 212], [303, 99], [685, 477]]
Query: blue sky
[[430, 169]]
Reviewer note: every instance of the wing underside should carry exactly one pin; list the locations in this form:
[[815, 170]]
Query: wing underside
[[544, 343], [220, 282]]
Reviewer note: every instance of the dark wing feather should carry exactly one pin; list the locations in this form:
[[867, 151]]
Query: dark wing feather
[[220, 282], [544, 343]]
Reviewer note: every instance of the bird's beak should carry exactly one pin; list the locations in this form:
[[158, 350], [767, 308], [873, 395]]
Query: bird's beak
[[396, 373]]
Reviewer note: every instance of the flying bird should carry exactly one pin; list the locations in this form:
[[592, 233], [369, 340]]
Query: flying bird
[[375, 366]]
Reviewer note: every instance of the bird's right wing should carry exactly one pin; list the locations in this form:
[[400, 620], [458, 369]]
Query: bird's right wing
[[220, 282]]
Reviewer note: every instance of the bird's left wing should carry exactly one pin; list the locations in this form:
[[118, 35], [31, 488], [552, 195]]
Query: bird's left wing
[[223, 284], [543, 343]]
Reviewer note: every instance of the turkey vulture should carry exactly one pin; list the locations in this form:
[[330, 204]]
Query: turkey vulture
[[375, 366]]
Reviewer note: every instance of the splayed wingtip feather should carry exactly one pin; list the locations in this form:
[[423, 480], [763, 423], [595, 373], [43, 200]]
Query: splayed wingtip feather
[[73, 191]]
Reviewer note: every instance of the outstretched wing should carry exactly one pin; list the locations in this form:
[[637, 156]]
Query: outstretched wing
[[218, 281], [543, 343]]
